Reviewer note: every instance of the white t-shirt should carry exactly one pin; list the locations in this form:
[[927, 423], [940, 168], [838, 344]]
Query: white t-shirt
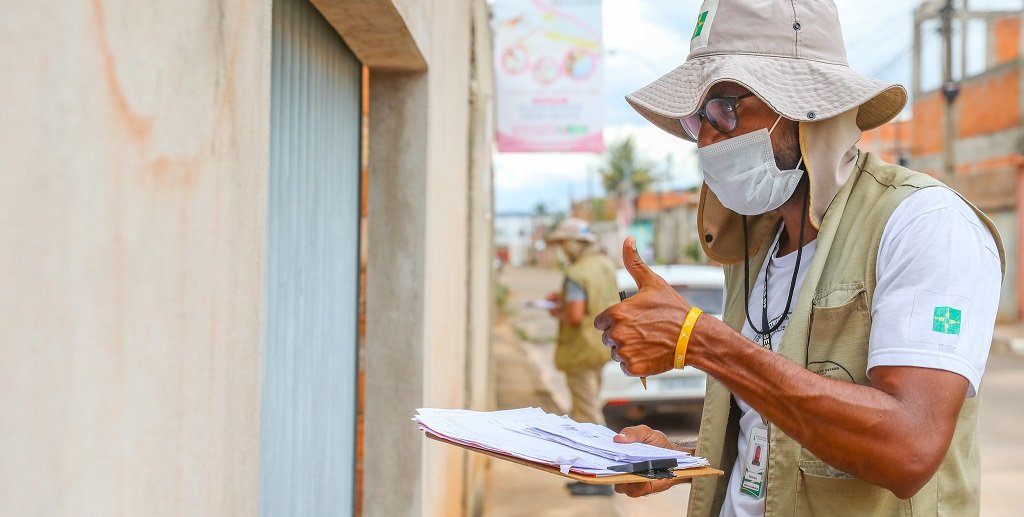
[[935, 257]]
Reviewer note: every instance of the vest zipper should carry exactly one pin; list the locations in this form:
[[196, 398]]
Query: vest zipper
[[768, 469]]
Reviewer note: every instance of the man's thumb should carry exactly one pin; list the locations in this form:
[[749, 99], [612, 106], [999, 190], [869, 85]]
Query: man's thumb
[[636, 266]]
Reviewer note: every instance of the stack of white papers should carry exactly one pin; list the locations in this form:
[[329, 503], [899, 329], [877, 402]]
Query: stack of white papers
[[533, 435]]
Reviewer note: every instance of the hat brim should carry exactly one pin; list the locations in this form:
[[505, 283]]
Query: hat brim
[[557, 237], [798, 89]]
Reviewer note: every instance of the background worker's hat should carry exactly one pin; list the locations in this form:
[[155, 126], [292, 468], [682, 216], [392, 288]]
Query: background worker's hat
[[790, 53], [572, 229]]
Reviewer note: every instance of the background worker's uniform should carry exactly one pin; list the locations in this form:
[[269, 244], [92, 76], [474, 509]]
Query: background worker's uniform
[[580, 352]]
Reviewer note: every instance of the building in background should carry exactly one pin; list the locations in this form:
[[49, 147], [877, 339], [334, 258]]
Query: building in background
[[513, 238], [969, 130], [980, 153], [665, 225], [891, 141], [190, 192], [673, 216]]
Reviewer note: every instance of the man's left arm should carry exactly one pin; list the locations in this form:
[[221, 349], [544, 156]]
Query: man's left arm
[[575, 304]]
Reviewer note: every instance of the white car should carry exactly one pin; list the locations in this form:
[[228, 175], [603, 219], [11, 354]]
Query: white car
[[623, 398]]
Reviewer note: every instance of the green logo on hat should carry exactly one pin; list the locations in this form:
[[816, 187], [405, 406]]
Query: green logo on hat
[[700, 24], [946, 320]]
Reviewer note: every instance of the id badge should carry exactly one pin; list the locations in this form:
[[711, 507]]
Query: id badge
[[755, 465]]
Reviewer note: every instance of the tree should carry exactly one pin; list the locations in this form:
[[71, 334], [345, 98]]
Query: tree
[[624, 168], [694, 252]]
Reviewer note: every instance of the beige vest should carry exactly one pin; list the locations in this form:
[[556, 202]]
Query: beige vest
[[828, 334], [579, 347]]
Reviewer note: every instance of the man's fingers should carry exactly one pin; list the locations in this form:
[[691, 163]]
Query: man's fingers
[[615, 355], [607, 340], [642, 275], [622, 366], [647, 488], [603, 321], [632, 434], [634, 489]]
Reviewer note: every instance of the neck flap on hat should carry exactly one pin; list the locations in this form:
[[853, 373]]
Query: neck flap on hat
[[829, 153]]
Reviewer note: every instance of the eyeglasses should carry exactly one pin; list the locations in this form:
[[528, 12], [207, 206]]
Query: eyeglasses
[[720, 112]]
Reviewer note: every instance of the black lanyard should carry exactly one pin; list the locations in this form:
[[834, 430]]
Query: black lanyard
[[766, 339], [765, 329]]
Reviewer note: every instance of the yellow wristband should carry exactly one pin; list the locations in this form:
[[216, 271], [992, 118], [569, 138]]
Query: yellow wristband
[[684, 336]]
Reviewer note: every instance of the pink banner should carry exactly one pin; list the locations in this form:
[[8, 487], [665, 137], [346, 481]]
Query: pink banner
[[549, 75]]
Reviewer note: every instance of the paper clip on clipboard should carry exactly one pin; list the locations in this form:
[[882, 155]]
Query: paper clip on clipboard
[[654, 469]]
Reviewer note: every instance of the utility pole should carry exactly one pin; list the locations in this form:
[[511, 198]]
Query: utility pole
[[950, 90]]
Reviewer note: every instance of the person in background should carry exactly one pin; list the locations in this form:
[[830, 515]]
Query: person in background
[[588, 289]]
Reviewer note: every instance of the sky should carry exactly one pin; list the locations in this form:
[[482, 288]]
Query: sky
[[644, 39]]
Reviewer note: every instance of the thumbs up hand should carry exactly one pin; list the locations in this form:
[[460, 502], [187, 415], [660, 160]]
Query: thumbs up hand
[[642, 330]]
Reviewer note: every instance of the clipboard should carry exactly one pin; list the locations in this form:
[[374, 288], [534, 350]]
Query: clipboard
[[686, 473]]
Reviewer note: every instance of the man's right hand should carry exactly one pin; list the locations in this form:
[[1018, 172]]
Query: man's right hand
[[644, 434], [555, 298]]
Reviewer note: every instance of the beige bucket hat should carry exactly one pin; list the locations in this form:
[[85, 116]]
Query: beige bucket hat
[[572, 229], [790, 53]]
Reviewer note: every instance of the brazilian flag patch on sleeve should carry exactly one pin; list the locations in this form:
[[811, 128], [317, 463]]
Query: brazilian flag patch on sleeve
[[939, 318], [946, 320]]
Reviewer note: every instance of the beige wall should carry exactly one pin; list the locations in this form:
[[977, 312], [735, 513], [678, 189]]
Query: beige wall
[[134, 152], [420, 279], [447, 253], [480, 393], [134, 146]]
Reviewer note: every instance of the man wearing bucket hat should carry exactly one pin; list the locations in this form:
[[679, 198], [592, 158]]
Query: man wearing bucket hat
[[588, 289], [845, 376]]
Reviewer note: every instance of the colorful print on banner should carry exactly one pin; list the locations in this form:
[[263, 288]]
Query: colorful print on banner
[[549, 75]]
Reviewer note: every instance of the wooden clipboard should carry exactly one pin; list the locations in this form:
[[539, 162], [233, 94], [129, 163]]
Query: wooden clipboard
[[694, 472]]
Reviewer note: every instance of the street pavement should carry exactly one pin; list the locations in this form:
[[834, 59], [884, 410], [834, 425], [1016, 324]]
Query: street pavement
[[526, 377], [523, 351]]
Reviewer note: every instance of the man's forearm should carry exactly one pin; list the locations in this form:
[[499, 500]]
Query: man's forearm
[[857, 429]]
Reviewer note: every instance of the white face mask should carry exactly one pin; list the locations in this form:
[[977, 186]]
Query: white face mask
[[742, 172], [571, 250]]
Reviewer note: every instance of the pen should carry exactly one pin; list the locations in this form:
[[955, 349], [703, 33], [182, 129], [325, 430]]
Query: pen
[[622, 298]]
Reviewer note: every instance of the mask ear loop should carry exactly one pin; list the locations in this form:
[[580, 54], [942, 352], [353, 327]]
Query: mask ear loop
[[801, 161]]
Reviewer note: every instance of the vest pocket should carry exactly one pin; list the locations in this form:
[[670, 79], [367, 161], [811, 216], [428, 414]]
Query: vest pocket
[[822, 495], [837, 348], [840, 326]]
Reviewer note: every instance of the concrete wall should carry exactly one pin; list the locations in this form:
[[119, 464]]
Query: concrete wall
[[480, 392], [132, 227], [395, 297], [446, 248], [134, 152], [420, 281]]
